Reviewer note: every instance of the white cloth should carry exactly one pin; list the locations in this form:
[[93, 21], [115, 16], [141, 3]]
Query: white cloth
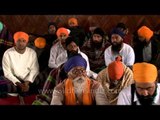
[[127, 53], [147, 53], [24, 66], [58, 55], [124, 97]]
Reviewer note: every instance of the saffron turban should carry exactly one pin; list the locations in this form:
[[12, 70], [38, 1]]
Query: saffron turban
[[144, 72], [145, 32], [40, 42], [62, 30], [75, 61], [116, 69], [117, 31], [20, 35], [73, 20]]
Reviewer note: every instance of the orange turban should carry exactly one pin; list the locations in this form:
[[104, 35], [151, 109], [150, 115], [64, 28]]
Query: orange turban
[[40, 42], [116, 69], [62, 30], [145, 32], [73, 20], [144, 72], [19, 35]]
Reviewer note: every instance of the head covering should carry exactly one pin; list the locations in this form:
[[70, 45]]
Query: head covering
[[75, 61], [121, 25], [69, 40], [116, 69], [145, 32], [19, 35], [117, 31], [40, 42], [62, 30], [1, 26], [144, 72], [98, 31], [52, 23], [73, 20]]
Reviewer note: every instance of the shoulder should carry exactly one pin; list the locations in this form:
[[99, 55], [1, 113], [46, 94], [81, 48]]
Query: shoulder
[[94, 84], [10, 50]]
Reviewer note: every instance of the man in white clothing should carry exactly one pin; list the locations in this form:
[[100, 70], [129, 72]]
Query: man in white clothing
[[20, 65], [119, 48], [145, 91]]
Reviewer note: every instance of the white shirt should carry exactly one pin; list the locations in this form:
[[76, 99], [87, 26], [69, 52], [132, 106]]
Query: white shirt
[[24, 66], [124, 97], [127, 53], [58, 56]]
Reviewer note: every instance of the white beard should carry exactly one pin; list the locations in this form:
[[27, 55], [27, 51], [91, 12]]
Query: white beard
[[79, 85]]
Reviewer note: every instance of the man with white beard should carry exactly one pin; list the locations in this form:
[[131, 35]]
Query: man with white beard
[[78, 88]]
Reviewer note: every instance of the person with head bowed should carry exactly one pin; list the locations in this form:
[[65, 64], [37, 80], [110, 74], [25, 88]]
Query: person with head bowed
[[145, 91], [114, 78]]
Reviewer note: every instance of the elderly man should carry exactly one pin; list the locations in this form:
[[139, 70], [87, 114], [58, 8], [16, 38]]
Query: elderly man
[[119, 48], [20, 65], [78, 89], [145, 91], [114, 78]]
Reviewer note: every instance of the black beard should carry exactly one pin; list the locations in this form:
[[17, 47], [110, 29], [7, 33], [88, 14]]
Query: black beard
[[97, 45], [144, 43], [146, 100], [72, 53], [117, 47]]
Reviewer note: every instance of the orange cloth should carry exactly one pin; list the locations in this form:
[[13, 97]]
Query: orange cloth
[[116, 69], [62, 30], [145, 32], [19, 35], [144, 72], [40, 42], [70, 98], [73, 20]]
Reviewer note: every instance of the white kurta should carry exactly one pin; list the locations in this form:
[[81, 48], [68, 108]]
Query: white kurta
[[127, 53], [24, 66]]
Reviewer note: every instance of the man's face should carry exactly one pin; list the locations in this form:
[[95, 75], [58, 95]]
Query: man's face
[[77, 72], [52, 29], [62, 38], [116, 42], [146, 92], [21, 44], [72, 47], [97, 38]]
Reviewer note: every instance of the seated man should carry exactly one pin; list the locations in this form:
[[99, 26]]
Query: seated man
[[145, 91], [20, 66], [114, 78], [78, 89]]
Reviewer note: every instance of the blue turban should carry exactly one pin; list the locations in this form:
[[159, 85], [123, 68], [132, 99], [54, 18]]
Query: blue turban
[[75, 61], [117, 31]]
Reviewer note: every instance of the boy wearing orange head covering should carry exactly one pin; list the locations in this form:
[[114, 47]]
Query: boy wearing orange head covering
[[20, 65], [114, 78], [146, 90]]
